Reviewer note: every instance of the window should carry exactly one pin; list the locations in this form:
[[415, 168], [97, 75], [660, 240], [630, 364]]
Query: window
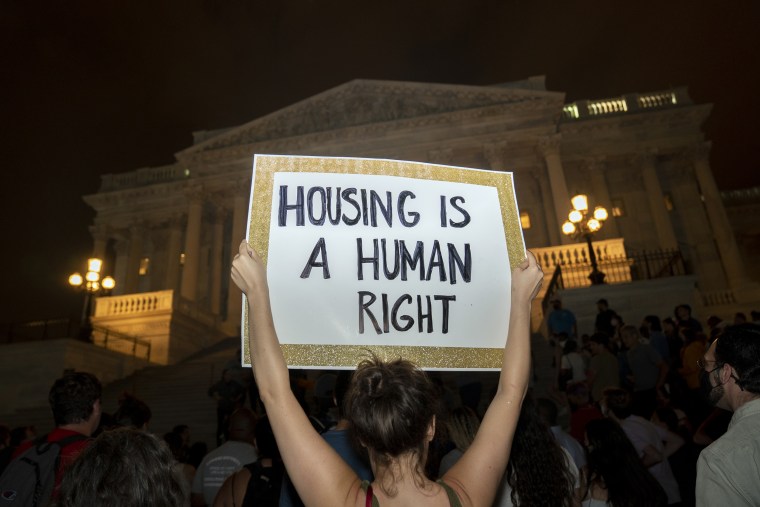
[[144, 265], [668, 201], [618, 209], [525, 219], [182, 259]]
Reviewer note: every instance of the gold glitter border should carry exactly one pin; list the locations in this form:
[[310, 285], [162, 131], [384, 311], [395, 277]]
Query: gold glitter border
[[265, 167]]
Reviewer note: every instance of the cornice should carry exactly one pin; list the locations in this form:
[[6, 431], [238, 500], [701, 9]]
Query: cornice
[[365, 102]]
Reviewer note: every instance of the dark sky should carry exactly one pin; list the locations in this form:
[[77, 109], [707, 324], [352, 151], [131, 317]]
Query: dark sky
[[96, 87]]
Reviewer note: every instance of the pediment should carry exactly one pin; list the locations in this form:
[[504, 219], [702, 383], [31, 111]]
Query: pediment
[[363, 102]]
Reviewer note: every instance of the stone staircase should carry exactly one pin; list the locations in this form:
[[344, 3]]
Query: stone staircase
[[176, 394]]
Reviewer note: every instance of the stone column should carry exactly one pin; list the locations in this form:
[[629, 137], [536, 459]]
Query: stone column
[[216, 259], [549, 149], [173, 252], [132, 280], [662, 224], [189, 287], [594, 169], [120, 265], [496, 154], [239, 216], [701, 249], [100, 236], [716, 214], [550, 217]]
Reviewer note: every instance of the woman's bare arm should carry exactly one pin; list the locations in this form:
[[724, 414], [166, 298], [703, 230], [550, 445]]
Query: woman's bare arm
[[478, 473], [320, 476]]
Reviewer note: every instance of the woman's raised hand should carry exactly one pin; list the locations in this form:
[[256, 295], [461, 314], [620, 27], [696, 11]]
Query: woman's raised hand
[[248, 270], [527, 279]]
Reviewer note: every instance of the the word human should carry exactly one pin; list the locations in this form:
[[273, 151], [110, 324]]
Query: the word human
[[350, 206], [438, 262]]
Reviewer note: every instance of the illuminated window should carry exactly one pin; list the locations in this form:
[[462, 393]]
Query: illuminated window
[[144, 265], [525, 219], [668, 201], [182, 259], [618, 210]]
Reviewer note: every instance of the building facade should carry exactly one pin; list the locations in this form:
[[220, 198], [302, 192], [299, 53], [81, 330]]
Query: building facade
[[169, 232]]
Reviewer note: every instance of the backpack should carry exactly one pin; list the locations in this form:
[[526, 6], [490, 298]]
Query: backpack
[[29, 479]]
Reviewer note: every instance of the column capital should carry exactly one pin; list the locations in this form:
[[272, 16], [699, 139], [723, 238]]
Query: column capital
[[195, 194], [645, 157], [101, 231], [549, 145], [496, 154], [441, 156], [700, 151]]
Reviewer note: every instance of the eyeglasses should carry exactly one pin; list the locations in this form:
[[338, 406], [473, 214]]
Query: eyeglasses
[[702, 363]]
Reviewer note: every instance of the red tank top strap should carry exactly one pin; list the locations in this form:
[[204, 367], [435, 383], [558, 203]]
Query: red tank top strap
[[368, 497]]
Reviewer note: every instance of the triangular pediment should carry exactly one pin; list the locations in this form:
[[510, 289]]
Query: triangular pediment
[[363, 102]]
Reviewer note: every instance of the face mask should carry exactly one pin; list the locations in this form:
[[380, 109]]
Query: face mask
[[710, 392]]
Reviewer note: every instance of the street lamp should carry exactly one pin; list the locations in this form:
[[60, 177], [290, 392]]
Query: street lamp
[[91, 284], [581, 223]]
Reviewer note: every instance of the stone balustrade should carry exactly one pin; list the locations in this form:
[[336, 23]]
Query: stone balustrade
[[575, 262], [144, 176], [625, 104], [134, 304]]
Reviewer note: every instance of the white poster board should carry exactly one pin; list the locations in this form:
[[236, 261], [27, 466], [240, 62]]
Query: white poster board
[[400, 258]]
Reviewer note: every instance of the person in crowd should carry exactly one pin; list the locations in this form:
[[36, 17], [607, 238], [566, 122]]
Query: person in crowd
[[604, 317], [183, 432], [391, 406], [339, 438], [549, 413], [75, 402], [229, 396], [184, 470], [572, 362], [653, 444], [714, 325], [603, 370], [561, 320], [257, 484], [755, 315], [226, 459], [657, 339], [670, 329], [196, 453], [125, 467], [648, 372], [539, 472], [614, 475], [581, 409], [727, 470], [691, 353], [684, 318], [132, 413], [740, 318], [462, 426], [683, 462]]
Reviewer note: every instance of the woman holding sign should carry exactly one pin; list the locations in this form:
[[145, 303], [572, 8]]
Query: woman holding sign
[[391, 407]]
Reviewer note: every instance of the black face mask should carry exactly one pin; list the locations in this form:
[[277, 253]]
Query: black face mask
[[708, 390]]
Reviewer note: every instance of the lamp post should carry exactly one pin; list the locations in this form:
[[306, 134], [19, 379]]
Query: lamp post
[[91, 284], [581, 223]]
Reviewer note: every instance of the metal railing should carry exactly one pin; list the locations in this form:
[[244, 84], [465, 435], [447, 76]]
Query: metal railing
[[63, 328], [631, 267]]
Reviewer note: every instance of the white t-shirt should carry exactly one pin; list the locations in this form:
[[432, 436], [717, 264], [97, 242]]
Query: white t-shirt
[[219, 464], [574, 361]]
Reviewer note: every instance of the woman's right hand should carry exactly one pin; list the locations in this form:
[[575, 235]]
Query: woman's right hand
[[526, 279], [248, 270]]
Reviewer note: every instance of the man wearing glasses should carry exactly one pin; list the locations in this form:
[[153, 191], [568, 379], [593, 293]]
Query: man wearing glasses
[[728, 471]]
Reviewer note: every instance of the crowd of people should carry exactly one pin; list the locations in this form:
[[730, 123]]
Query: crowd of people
[[666, 413]]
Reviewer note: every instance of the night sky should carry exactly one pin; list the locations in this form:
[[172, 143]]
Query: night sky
[[97, 87]]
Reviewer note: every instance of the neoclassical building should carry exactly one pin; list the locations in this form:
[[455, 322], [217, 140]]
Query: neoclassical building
[[168, 233]]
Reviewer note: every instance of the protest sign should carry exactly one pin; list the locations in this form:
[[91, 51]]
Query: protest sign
[[401, 258]]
